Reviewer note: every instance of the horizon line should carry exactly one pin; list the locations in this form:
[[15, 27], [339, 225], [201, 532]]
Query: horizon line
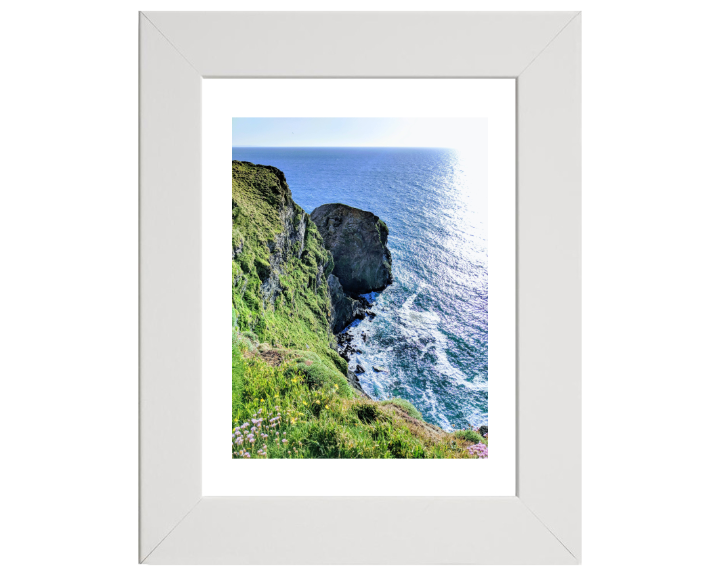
[[443, 147]]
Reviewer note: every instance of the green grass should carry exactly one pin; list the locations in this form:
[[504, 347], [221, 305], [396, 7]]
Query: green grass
[[320, 419], [317, 374], [299, 316], [470, 436], [404, 405]]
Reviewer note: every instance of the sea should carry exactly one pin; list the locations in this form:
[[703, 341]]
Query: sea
[[430, 333]]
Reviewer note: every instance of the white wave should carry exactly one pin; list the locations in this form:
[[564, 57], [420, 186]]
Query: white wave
[[424, 326]]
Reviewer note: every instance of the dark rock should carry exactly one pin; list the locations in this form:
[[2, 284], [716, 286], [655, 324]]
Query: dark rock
[[380, 369], [344, 308], [355, 383], [344, 338], [364, 304], [264, 270], [345, 347], [359, 369], [483, 430], [358, 242]]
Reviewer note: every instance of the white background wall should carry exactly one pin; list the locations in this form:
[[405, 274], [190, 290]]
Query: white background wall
[[68, 285]]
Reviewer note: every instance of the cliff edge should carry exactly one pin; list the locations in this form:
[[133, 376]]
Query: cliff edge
[[280, 267]]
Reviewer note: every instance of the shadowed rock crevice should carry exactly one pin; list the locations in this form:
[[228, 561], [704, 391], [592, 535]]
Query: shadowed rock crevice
[[344, 308]]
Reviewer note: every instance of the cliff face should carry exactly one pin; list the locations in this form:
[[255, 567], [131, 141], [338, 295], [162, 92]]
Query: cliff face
[[358, 242], [279, 265]]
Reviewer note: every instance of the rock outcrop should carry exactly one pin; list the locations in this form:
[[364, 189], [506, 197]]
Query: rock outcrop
[[358, 242]]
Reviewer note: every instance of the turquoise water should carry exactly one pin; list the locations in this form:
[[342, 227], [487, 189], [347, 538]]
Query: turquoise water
[[431, 328]]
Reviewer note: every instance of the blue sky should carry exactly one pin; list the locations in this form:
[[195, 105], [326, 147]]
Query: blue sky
[[398, 132]]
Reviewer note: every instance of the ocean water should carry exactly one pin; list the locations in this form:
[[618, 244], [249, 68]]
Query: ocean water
[[431, 328]]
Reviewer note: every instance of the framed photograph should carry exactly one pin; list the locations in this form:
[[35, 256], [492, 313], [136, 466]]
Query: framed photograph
[[393, 204]]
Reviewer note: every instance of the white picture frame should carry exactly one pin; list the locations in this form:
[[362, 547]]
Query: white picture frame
[[541, 524]]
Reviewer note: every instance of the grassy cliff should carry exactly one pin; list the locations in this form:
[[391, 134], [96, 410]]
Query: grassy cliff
[[279, 266], [290, 394]]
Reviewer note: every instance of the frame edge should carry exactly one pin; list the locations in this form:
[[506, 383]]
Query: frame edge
[[169, 202], [158, 536], [549, 346]]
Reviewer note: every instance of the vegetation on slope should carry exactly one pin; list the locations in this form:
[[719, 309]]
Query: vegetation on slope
[[298, 316], [279, 413]]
